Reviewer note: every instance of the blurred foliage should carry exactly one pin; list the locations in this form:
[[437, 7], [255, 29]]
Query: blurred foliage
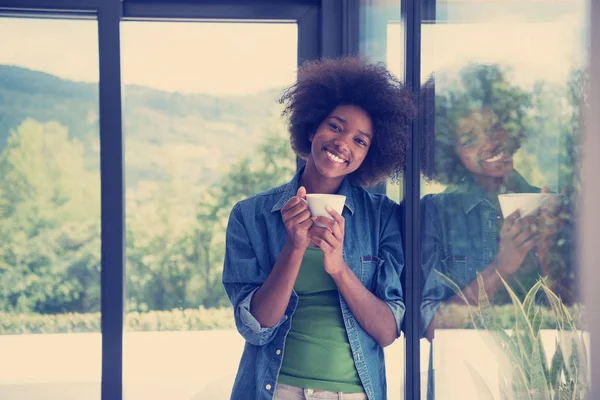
[[202, 318], [49, 236], [50, 231], [172, 320]]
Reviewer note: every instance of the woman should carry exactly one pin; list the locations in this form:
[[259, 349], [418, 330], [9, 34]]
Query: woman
[[316, 305], [479, 126]]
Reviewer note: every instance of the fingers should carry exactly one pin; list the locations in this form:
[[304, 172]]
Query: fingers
[[322, 236], [520, 232], [551, 207], [509, 222], [291, 203], [299, 212], [299, 200], [306, 224], [521, 225], [525, 238], [528, 245], [322, 244], [331, 225], [301, 193], [336, 217]]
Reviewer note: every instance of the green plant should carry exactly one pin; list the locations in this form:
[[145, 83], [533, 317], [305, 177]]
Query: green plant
[[524, 368]]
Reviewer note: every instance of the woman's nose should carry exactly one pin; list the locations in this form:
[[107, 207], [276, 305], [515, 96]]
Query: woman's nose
[[495, 139], [341, 142]]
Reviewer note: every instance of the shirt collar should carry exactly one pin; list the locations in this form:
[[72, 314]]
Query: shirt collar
[[473, 198], [470, 193], [289, 190]]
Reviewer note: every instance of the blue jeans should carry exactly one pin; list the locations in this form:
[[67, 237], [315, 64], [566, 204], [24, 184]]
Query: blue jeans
[[287, 392]]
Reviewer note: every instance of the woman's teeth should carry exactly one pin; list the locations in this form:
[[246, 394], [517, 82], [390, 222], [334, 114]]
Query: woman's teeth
[[497, 157], [334, 158]]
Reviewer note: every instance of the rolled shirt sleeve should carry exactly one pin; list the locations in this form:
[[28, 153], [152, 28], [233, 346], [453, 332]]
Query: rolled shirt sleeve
[[388, 285], [435, 291], [242, 277], [248, 320]]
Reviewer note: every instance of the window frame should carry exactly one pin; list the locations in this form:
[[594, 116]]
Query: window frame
[[325, 29]]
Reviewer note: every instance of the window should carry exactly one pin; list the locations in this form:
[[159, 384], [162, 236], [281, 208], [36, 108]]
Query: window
[[50, 209], [203, 130], [501, 127]]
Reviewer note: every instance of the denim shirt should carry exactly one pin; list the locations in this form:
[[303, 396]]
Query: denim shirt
[[254, 239], [460, 229]]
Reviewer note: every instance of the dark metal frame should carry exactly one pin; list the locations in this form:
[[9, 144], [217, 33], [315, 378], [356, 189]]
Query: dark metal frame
[[411, 17]]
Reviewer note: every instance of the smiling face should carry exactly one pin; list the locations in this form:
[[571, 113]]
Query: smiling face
[[341, 142], [484, 146]]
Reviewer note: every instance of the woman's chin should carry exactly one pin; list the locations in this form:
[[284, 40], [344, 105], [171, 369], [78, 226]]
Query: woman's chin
[[330, 170], [498, 171]]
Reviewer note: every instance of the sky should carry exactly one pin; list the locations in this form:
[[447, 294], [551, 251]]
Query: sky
[[212, 58], [541, 50], [244, 58]]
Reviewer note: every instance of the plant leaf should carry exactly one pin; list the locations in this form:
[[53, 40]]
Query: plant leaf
[[556, 369], [539, 381]]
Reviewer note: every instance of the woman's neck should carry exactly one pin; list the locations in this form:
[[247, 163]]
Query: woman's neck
[[314, 182], [490, 185]]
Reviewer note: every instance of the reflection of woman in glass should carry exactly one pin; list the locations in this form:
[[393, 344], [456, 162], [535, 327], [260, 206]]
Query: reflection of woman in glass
[[479, 125], [317, 305]]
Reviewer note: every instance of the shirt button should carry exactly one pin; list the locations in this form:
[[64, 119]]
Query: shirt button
[[268, 387], [278, 352]]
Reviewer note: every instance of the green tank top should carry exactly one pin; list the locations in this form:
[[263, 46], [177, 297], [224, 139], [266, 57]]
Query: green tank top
[[317, 353]]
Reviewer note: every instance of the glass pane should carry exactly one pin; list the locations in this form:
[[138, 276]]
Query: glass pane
[[49, 210], [501, 111], [382, 40], [203, 131]]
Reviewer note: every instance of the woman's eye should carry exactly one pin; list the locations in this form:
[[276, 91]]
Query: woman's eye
[[361, 142], [335, 127], [467, 142]]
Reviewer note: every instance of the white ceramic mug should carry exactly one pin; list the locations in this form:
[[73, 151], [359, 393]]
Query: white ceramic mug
[[318, 202], [526, 203]]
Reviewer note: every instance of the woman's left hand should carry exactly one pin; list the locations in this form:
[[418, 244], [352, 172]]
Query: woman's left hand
[[330, 240]]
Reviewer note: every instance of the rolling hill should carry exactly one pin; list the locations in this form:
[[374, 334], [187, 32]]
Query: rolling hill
[[165, 132]]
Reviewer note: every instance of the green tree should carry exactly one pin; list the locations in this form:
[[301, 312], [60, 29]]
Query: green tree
[[158, 218], [271, 164], [176, 228], [49, 236]]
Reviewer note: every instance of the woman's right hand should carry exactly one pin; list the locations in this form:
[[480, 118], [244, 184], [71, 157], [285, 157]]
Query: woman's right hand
[[296, 218], [517, 238]]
